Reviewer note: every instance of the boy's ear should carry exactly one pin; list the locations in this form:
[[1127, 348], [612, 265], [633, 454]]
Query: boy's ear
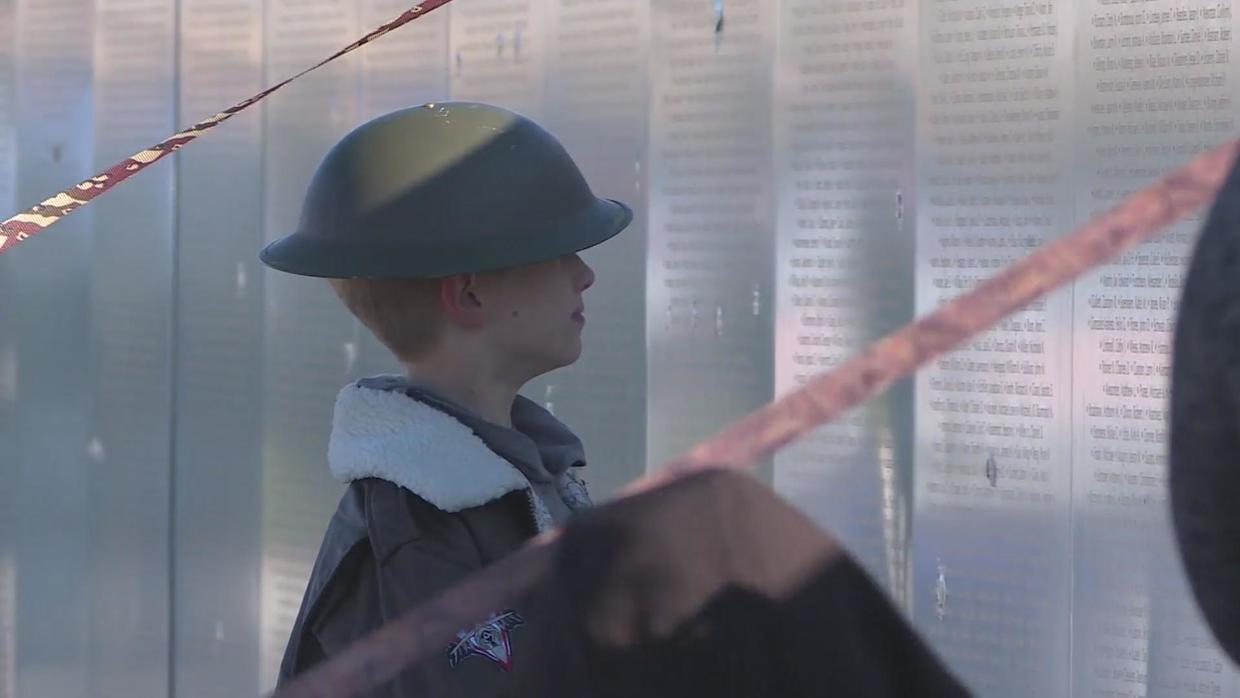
[[459, 299]]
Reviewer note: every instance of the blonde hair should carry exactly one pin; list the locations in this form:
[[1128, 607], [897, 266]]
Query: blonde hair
[[403, 314]]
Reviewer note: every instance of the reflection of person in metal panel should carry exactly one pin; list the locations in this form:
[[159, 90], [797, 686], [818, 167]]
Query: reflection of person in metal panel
[[452, 232]]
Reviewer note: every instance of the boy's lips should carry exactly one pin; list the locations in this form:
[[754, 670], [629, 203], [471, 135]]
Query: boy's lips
[[580, 314]]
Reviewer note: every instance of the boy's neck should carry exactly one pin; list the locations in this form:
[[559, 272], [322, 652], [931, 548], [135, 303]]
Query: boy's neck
[[486, 395]]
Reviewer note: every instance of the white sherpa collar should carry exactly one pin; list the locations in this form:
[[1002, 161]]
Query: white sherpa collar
[[388, 435]]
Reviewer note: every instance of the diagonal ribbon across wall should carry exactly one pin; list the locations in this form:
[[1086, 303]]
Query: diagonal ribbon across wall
[[23, 226]]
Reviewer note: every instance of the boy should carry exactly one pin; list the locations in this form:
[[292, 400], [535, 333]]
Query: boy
[[452, 231]]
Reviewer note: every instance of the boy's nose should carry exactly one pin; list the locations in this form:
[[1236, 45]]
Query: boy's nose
[[585, 279]]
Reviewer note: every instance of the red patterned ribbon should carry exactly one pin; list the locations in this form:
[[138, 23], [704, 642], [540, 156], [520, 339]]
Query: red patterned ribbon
[[21, 227]]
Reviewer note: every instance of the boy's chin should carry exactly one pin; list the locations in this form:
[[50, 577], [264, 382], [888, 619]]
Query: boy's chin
[[568, 358], [549, 363]]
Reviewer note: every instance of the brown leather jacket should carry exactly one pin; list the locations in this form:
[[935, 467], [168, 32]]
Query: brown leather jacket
[[429, 502]]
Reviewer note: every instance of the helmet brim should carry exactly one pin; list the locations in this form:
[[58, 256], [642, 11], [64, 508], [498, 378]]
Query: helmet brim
[[305, 255]]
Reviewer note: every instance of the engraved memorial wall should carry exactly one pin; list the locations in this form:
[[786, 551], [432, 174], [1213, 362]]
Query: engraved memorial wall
[[132, 350], [8, 357], [806, 176], [217, 505], [496, 53], [992, 553], [1154, 85], [596, 102], [45, 450], [709, 268], [843, 148], [308, 352]]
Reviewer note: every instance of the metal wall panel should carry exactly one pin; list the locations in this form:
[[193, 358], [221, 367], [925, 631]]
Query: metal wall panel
[[596, 63], [131, 341], [992, 548], [309, 351], [8, 110], [843, 147], [496, 52], [1154, 87], [8, 360], [8, 106], [218, 474], [403, 69], [709, 286], [812, 140], [48, 460]]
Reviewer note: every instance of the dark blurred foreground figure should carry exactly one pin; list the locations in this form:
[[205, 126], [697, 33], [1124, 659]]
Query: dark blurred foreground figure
[[711, 586], [1205, 420]]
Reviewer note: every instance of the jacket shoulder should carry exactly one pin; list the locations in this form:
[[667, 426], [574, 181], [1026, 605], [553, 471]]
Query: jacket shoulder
[[386, 550], [396, 518]]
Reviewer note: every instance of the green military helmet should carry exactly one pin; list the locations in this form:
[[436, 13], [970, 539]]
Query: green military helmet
[[442, 189]]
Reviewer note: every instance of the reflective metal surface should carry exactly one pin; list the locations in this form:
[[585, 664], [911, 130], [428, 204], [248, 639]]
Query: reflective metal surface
[[806, 176], [309, 346], [843, 148], [132, 353], [497, 53], [596, 103], [405, 68], [709, 285], [46, 458], [8, 360], [217, 467], [1154, 85], [992, 548]]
